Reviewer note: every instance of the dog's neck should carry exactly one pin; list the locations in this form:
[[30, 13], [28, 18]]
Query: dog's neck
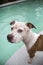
[[30, 39]]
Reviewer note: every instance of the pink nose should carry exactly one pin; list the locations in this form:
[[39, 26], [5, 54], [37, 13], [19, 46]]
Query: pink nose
[[9, 37]]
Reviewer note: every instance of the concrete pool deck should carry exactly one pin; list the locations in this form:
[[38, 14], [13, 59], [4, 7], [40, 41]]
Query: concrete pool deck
[[21, 58]]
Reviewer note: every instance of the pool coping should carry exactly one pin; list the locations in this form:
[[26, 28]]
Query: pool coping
[[11, 3]]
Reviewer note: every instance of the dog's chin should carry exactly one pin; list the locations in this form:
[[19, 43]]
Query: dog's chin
[[17, 41], [13, 41]]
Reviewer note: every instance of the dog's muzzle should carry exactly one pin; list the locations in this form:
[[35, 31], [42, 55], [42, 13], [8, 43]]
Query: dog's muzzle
[[10, 38]]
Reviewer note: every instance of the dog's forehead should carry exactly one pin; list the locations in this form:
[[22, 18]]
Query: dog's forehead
[[19, 24]]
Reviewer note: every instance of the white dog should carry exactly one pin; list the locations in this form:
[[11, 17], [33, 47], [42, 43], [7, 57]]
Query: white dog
[[21, 31]]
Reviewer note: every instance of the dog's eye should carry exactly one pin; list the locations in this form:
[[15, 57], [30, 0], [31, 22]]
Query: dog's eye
[[19, 30], [12, 28]]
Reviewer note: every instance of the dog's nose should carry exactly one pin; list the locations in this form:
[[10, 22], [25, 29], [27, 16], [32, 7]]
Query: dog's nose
[[9, 37]]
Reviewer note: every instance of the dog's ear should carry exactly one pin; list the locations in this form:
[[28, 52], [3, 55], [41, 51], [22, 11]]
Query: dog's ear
[[12, 23], [30, 25]]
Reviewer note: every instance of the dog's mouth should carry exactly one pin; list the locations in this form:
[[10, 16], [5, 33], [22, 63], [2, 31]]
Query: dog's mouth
[[11, 39]]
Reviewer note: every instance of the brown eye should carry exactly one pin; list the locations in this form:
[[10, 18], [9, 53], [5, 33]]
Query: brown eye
[[20, 30], [12, 28]]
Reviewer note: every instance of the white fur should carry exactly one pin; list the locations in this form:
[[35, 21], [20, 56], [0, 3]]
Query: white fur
[[30, 60], [30, 39]]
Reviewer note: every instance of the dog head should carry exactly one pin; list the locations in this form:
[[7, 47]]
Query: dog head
[[18, 31]]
